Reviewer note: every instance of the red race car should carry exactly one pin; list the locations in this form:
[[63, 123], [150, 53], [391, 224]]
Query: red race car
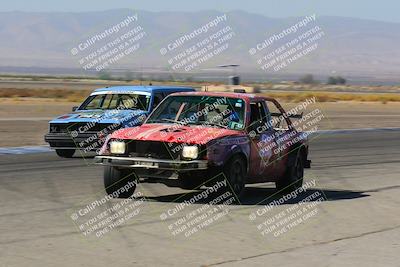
[[201, 136]]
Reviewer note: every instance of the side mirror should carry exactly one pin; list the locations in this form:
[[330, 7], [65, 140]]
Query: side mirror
[[74, 108]]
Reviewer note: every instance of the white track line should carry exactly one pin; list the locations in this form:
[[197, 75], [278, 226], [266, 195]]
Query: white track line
[[344, 131], [24, 150]]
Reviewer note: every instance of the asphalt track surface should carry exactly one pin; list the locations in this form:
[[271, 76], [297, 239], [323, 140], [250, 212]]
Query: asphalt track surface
[[357, 224]]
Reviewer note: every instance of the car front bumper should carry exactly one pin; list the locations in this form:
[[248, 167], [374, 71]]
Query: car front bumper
[[151, 163], [66, 141]]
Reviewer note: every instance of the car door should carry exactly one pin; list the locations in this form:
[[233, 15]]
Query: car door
[[262, 158], [283, 133]]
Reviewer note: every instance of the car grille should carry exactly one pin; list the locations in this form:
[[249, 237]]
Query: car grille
[[153, 149], [82, 127], [156, 149]]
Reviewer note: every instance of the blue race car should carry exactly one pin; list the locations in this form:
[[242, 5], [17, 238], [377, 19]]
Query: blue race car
[[104, 111]]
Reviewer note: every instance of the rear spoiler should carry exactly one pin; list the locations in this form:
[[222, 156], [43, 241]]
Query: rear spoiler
[[294, 116]]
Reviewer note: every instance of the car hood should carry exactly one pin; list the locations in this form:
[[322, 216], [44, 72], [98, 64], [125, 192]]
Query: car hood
[[172, 133], [100, 116]]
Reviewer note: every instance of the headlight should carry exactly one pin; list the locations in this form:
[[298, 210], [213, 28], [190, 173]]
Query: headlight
[[190, 152], [117, 147]]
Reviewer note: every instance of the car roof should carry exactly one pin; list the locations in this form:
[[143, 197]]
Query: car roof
[[142, 88], [245, 96]]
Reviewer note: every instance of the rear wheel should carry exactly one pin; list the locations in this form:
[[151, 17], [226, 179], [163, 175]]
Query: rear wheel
[[293, 178], [65, 153], [120, 183]]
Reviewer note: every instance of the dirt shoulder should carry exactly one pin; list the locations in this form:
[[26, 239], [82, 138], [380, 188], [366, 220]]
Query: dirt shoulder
[[24, 122]]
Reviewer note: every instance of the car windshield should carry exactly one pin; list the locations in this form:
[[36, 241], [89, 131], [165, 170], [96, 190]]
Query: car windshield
[[201, 110], [116, 101]]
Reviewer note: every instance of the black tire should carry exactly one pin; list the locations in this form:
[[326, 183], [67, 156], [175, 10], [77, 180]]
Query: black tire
[[65, 153], [189, 181], [293, 178], [235, 173], [119, 183]]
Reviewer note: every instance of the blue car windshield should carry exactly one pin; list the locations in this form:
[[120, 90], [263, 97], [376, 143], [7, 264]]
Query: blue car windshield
[[116, 101]]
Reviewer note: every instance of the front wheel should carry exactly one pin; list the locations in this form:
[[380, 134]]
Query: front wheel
[[235, 172], [293, 178], [119, 183], [65, 153]]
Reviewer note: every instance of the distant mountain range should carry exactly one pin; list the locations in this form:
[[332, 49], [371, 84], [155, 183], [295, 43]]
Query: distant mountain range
[[349, 47]]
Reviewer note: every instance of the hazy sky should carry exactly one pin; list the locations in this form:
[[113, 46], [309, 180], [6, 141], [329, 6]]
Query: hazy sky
[[385, 10]]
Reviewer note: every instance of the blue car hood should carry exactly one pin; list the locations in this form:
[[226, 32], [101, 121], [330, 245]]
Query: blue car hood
[[100, 116]]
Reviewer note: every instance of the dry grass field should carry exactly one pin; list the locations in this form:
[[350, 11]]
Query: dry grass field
[[78, 95]]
